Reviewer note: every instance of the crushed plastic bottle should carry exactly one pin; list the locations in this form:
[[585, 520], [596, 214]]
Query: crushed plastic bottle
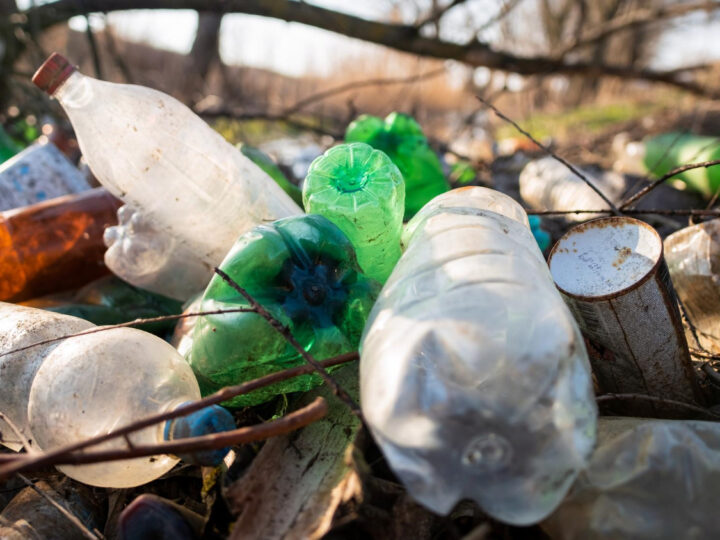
[[109, 300], [55, 245], [362, 192], [474, 377], [403, 140], [546, 184], [70, 390], [647, 480], [303, 271], [192, 187]]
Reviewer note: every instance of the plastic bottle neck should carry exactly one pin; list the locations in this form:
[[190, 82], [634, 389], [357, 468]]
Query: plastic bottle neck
[[74, 92]]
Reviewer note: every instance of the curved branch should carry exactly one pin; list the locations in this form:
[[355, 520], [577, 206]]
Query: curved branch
[[401, 37]]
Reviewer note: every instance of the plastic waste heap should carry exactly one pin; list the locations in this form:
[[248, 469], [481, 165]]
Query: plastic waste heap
[[474, 378], [403, 140], [303, 271], [73, 389], [361, 191], [647, 480], [54, 245], [195, 191]]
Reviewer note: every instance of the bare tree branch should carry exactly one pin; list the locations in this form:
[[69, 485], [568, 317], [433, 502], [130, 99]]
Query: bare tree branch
[[401, 37], [636, 18]]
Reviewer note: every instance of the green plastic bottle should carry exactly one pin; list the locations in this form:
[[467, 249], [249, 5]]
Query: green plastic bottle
[[266, 163], [303, 271], [665, 152], [361, 191], [402, 139], [110, 300], [8, 148]]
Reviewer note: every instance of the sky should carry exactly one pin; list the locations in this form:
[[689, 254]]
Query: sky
[[295, 49]]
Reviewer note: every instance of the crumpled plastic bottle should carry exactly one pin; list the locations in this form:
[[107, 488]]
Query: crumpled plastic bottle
[[402, 139], [192, 187], [303, 271], [474, 377], [143, 255], [647, 480], [73, 389], [362, 192]]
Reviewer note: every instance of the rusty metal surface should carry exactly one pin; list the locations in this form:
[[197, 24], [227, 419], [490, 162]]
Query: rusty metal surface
[[613, 277]]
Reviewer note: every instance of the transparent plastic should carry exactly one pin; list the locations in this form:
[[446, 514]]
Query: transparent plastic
[[361, 191], [546, 184], [647, 480], [190, 184], [693, 259], [475, 380], [304, 272], [88, 385]]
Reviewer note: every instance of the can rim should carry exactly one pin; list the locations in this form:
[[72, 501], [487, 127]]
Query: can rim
[[594, 223]]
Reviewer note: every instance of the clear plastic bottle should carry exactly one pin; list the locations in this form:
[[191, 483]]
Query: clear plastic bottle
[[546, 184], [647, 480], [154, 153], [474, 378], [361, 191], [80, 387]]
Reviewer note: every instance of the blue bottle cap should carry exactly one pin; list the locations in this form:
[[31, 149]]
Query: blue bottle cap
[[213, 419]]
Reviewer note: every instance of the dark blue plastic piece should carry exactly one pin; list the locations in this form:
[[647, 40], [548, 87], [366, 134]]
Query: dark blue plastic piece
[[213, 419]]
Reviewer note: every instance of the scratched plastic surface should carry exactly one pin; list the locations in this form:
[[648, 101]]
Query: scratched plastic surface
[[190, 184], [87, 385], [475, 381], [647, 480]]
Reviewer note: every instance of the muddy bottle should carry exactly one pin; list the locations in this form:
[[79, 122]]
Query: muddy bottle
[[69, 390]]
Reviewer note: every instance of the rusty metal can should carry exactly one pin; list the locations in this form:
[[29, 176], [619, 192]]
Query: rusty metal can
[[612, 274]]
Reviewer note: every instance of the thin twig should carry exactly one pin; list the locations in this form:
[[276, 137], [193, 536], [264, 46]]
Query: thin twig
[[436, 14], [50, 457], [97, 66], [125, 325], [284, 331], [72, 518], [572, 169], [290, 422], [667, 176], [20, 435], [654, 399], [631, 212]]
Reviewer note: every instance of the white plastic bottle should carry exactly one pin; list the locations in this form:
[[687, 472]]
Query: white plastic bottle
[[647, 480], [474, 377], [546, 184], [80, 387], [155, 154]]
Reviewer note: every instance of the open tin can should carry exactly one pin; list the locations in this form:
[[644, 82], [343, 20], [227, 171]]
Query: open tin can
[[612, 275]]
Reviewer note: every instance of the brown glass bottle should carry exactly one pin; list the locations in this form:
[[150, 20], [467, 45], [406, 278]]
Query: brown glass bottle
[[55, 245]]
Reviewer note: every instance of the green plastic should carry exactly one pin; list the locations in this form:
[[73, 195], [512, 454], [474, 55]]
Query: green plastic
[[8, 148], [110, 300], [266, 163], [303, 271], [402, 139], [670, 150], [361, 191]]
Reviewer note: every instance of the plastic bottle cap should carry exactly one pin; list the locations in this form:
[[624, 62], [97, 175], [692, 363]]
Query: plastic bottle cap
[[54, 71]]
